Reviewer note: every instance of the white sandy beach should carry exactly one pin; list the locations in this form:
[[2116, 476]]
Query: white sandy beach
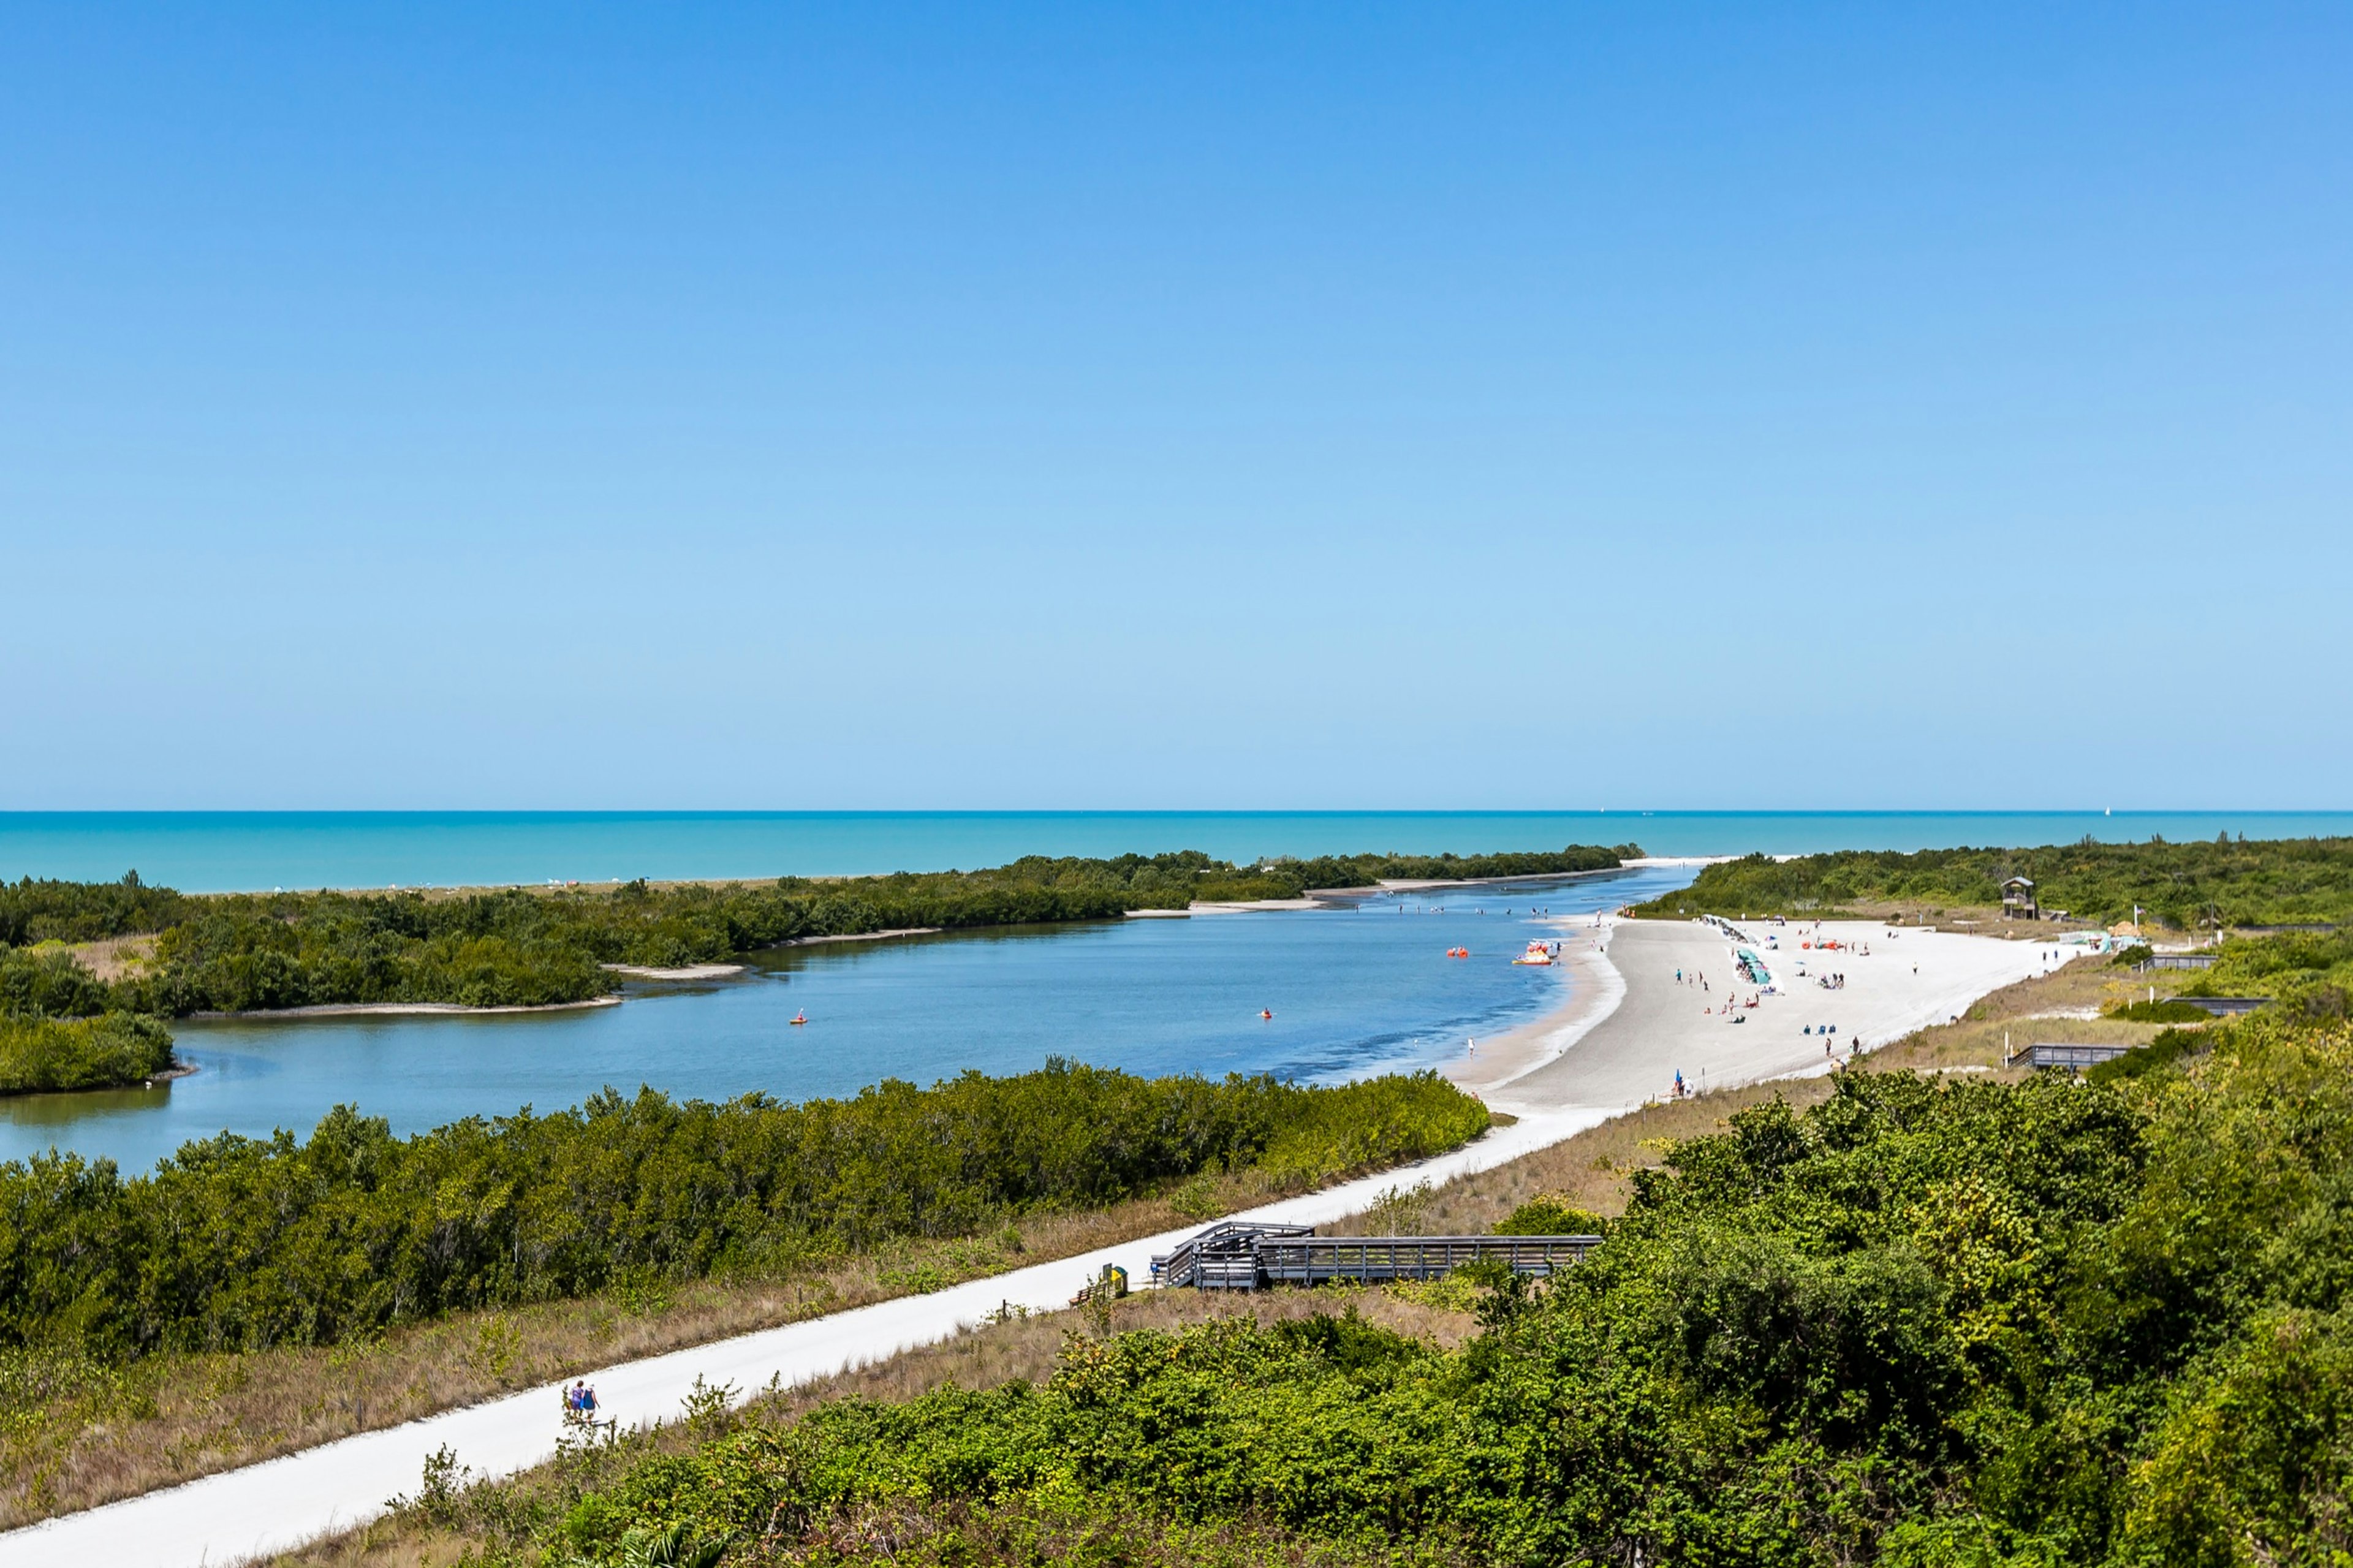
[[1629, 1025], [1624, 1030]]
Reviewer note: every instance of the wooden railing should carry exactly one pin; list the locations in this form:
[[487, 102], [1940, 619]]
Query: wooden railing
[[1377, 1259], [1220, 1258], [1232, 1256], [2050, 1053]]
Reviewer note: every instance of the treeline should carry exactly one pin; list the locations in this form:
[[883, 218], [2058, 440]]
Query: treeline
[[239, 1244], [515, 947], [37, 1054], [63, 1028], [1926, 1322], [1337, 871], [2237, 883], [46, 910]]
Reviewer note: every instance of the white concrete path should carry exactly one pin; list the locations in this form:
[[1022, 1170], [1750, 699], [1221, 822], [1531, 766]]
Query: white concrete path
[[282, 1503]]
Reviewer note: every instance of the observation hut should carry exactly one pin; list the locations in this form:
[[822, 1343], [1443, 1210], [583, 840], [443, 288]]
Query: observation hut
[[2017, 899]]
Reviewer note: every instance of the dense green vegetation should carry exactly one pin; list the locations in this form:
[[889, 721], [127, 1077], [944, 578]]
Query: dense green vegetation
[[80, 1053], [45, 910], [2281, 881], [1550, 1216], [1926, 1322], [238, 1243], [56, 1032], [2165, 1012], [2169, 1046], [2310, 971], [46, 982], [247, 952], [1365, 870]]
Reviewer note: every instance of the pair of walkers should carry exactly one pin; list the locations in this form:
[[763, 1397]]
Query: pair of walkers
[[580, 1402]]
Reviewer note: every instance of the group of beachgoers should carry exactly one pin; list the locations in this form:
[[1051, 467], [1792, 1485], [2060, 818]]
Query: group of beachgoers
[[580, 1403], [1733, 1012]]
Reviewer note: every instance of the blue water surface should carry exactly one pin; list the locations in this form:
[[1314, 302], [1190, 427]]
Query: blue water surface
[[1353, 991], [238, 851]]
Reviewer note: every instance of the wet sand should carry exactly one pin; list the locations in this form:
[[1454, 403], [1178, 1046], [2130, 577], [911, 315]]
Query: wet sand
[[1596, 990]]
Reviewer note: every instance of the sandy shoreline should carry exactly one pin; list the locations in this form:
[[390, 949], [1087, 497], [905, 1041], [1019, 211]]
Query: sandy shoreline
[[1630, 1025], [398, 1009], [863, 936], [721, 971], [1595, 990]]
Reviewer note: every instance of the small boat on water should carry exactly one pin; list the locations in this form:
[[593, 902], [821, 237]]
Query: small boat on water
[[1538, 953]]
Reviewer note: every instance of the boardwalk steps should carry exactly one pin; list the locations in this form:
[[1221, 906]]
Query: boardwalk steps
[[1238, 1257]]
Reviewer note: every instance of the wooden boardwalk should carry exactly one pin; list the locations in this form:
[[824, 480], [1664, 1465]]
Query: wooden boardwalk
[[2053, 1054], [1233, 1256]]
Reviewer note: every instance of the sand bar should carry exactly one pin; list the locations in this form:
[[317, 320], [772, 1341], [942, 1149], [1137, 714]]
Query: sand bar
[[863, 936]]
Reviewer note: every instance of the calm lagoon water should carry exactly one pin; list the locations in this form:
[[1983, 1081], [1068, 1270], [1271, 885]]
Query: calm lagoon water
[[1353, 990]]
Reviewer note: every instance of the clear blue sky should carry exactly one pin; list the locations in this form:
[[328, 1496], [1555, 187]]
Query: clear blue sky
[[572, 406]]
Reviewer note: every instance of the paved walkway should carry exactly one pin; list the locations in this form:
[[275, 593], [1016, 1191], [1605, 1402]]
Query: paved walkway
[[281, 1504]]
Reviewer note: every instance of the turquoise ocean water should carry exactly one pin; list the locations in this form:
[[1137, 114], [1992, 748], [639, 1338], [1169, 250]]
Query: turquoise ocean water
[[225, 851]]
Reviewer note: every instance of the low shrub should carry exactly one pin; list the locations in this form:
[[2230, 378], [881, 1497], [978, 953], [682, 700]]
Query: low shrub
[[1547, 1214], [240, 1243], [117, 1048]]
